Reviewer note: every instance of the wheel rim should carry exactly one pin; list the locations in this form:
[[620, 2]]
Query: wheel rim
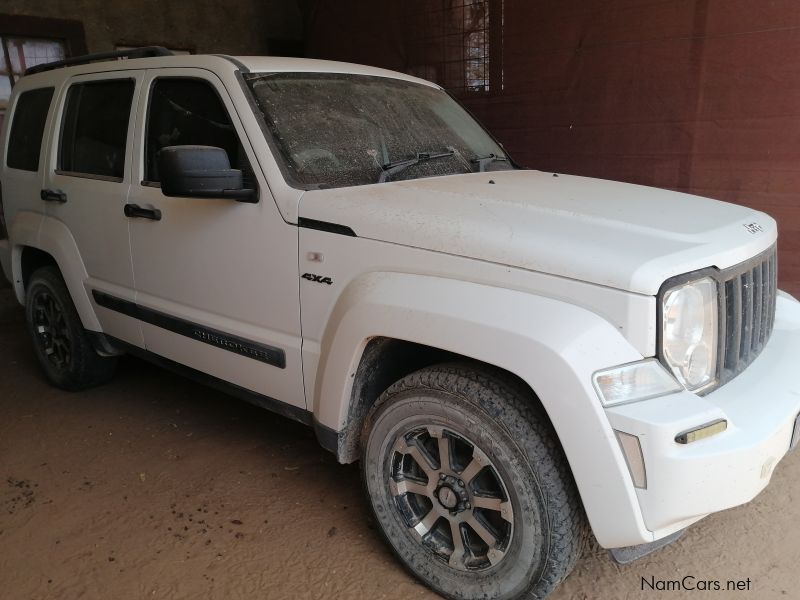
[[50, 329], [451, 497]]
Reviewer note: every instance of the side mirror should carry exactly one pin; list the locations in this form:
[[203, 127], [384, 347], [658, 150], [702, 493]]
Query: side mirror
[[200, 172]]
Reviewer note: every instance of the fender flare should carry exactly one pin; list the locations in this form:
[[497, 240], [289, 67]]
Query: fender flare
[[52, 236], [554, 346]]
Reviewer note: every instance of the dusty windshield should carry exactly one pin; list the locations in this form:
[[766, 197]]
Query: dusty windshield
[[336, 130]]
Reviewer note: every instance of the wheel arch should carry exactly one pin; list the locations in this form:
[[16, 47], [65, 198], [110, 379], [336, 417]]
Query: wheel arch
[[554, 347], [385, 361], [31, 259], [49, 241]]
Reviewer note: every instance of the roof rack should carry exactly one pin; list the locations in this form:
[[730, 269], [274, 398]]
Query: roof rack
[[146, 52]]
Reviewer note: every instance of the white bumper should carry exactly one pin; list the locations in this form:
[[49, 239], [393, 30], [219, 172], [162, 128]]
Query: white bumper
[[5, 259], [688, 482]]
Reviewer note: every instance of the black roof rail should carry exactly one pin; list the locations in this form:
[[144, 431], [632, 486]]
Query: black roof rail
[[146, 52]]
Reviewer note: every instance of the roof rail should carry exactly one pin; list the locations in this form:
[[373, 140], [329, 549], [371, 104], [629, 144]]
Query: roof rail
[[146, 52]]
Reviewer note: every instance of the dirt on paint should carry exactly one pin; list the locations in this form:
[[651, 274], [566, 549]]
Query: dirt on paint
[[155, 487]]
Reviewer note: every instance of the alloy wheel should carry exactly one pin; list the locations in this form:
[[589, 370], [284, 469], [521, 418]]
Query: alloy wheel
[[51, 330], [451, 497]]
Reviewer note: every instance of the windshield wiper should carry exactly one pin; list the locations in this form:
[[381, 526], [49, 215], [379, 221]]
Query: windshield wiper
[[393, 168], [483, 162]]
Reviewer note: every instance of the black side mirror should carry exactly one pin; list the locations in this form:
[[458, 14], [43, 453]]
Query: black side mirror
[[200, 172]]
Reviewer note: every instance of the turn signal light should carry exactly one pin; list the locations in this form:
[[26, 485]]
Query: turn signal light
[[701, 433]]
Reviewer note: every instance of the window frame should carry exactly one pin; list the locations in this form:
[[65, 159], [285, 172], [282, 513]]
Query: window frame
[[142, 155], [90, 78]]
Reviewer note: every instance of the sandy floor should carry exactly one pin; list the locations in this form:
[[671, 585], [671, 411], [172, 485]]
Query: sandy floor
[[154, 487]]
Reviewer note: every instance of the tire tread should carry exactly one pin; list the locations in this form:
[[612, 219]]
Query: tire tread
[[513, 406], [88, 368]]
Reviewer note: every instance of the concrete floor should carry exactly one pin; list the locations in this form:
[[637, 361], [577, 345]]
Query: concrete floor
[[155, 487]]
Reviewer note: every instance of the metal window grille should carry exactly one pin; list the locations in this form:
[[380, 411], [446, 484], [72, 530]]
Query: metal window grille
[[19, 53], [456, 43]]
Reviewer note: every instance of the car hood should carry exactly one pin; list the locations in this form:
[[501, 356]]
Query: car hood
[[624, 236]]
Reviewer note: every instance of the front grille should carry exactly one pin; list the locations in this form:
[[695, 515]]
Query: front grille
[[748, 312]]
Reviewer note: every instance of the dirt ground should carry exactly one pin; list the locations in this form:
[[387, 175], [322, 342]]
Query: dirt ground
[[155, 487]]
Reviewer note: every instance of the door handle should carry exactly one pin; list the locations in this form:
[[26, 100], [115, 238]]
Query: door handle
[[137, 212], [53, 196]]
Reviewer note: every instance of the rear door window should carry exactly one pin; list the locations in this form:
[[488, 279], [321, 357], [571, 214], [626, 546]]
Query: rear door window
[[95, 128], [27, 129]]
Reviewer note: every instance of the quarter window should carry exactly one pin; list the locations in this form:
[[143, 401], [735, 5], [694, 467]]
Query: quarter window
[[188, 112], [27, 129], [95, 129]]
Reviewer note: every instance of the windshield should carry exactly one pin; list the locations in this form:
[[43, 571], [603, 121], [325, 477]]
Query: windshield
[[337, 130]]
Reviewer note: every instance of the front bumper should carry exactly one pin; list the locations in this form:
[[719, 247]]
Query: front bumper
[[686, 482]]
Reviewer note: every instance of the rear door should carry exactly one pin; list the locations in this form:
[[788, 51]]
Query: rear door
[[216, 279], [87, 184], [21, 177]]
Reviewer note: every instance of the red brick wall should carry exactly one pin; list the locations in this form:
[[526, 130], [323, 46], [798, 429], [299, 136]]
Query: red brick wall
[[700, 96]]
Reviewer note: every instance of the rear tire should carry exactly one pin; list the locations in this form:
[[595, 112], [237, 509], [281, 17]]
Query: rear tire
[[61, 344], [470, 486]]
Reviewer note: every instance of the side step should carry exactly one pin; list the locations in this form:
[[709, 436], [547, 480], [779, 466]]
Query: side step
[[629, 554]]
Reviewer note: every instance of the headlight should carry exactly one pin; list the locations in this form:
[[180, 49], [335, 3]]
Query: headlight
[[689, 331]]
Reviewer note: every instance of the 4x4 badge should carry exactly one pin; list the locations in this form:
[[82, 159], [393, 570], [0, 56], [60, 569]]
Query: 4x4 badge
[[317, 278]]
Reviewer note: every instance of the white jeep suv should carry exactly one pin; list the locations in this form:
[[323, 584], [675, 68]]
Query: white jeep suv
[[517, 358]]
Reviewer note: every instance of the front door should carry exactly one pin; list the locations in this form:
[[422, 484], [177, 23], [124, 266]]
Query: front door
[[216, 279]]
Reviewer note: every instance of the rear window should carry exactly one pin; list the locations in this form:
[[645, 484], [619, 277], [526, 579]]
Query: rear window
[[27, 129], [95, 129]]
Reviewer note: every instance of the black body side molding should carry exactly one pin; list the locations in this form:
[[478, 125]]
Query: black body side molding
[[257, 351], [326, 226]]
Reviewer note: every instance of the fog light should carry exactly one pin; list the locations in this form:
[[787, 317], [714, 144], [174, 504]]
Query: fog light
[[633, 456], [702, 432]]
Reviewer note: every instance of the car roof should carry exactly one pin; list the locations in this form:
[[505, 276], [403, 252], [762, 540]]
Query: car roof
[[278, 64], [217, 63]]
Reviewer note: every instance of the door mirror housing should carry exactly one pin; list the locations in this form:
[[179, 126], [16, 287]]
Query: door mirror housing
[[201, 172]]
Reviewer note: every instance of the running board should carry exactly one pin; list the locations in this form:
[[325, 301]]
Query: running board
[[629, 554]]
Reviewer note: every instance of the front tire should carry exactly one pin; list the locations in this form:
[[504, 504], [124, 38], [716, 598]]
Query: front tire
[[60, 342], [469, 484]]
